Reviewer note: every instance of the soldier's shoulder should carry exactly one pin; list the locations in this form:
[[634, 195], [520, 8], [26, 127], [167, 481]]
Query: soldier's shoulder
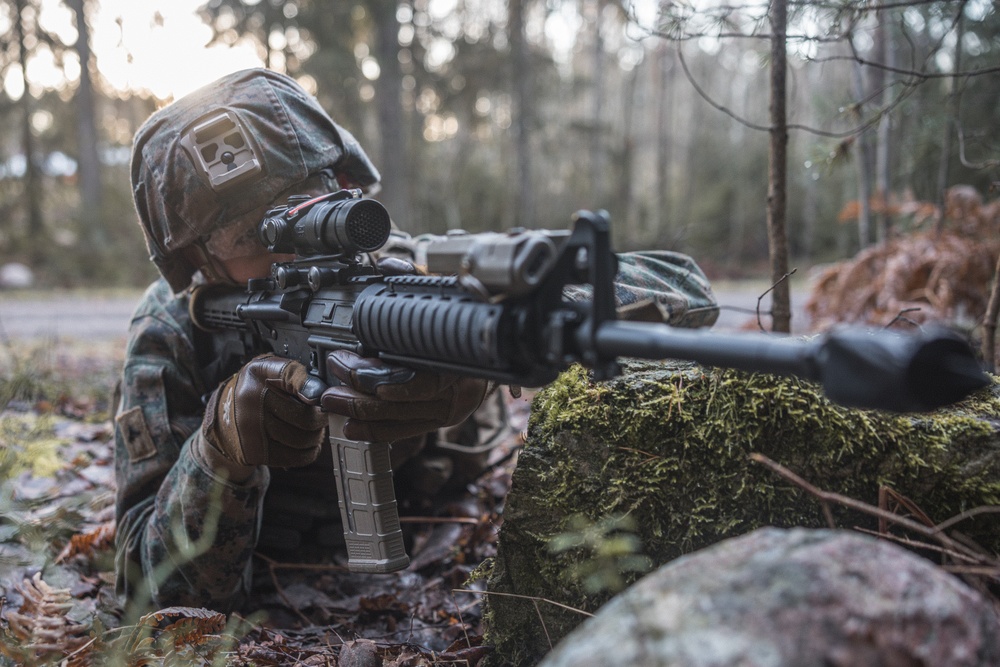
[[160, 315]]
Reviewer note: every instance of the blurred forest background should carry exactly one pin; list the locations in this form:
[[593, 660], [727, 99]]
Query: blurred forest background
[[486, 114]]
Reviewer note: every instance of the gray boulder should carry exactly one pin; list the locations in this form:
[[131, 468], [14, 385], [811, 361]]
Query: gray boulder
[[784, 598]]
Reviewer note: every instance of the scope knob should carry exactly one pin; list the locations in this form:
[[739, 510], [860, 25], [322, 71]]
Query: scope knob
[[272, 230], [288, 276], [319, 278]]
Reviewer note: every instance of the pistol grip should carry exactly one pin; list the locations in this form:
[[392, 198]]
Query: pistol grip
[[367, 499]]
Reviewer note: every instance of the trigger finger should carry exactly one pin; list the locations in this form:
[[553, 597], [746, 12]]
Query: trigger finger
[[344, 401], [286, 408], [365, 374]]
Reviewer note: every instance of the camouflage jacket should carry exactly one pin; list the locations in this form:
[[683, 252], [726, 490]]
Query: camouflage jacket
[[186, 535]]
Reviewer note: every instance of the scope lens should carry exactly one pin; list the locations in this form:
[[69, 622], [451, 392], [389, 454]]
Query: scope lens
[[366, 224], [342, 227]]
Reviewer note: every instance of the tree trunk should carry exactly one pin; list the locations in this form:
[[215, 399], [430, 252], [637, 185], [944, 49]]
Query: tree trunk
[[34, 241], [89, 163], [951, 122], [522, 79], [989, 345], [598, 159], [862, 153], [883, 154], [777, 237], [394, 154], [625, 197], [661, 217]]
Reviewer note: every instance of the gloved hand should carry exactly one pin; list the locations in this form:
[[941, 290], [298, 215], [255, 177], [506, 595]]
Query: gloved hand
[[386, 403], [267, 414]]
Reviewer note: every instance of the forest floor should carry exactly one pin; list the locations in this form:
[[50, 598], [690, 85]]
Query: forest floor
[[56, 551]]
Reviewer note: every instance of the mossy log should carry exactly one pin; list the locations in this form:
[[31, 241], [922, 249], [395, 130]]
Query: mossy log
[[668, 444]]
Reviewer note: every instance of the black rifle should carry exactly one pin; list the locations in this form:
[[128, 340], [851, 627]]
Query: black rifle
[[503, 316]]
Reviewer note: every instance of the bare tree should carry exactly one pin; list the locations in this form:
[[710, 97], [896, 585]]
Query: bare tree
[[395, 156], [951, 122], [33, 174], [88, 160], [824, 25], [777, 236], [523, 117]]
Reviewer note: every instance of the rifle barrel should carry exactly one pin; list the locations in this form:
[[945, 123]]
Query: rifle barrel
[[758, 353], [880, 370]]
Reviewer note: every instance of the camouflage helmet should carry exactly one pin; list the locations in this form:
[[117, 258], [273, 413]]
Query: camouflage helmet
[[214, 156]]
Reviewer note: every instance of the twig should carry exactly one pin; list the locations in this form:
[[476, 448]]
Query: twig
[[885, 494], [989, 164], [525, 597], [983, 570], [913, 544], [272, 567], [87, 645], [460, 619], [542, 621], [828, 496], [901, 317], [439, 519], [761, 297], [319, 567], [975, 511], [649, 456]]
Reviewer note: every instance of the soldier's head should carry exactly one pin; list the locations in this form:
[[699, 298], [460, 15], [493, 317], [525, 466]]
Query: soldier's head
[[207, 167]]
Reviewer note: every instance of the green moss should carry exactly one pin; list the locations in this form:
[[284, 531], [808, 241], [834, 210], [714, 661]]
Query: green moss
[[28, 442], [668, 444]]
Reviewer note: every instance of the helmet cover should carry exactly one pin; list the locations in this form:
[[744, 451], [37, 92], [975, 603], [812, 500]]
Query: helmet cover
[[205, 161]]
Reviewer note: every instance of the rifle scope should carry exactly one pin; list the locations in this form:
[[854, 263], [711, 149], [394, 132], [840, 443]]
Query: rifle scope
[[338, 223]]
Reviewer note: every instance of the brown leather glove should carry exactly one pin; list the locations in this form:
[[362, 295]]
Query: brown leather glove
[[267, 414], [387, 403]]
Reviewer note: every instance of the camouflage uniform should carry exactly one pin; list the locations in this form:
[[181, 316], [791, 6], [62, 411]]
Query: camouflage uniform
[[186, 534]]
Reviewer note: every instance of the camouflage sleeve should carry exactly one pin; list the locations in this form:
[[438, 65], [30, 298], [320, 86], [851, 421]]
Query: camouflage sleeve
[[660, 286], [185, 535]]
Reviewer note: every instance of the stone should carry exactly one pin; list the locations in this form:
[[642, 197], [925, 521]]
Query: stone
[[791, 598]]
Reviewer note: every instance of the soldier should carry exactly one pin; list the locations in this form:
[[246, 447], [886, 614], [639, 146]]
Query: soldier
[[216, 458]]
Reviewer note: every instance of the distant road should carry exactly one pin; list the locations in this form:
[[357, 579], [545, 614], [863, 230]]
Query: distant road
[[96, 318], [60, 315]]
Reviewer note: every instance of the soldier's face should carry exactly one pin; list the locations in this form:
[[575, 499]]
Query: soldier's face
[[237, 249], [242, 269]]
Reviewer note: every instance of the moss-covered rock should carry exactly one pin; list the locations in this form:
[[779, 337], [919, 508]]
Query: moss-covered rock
[[667, 444]]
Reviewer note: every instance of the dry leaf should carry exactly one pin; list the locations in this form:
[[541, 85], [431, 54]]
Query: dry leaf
[[936, 275], [88, 543], [41, 625]]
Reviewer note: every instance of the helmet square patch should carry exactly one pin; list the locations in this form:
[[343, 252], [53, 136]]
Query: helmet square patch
[[222, 151]]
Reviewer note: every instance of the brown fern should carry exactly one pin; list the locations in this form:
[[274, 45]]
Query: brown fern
[[185, 625], [41, 626], [173, 631], [88, 543], [933, 275]]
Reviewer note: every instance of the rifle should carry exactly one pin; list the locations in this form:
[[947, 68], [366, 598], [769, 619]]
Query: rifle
[[501, 315]]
